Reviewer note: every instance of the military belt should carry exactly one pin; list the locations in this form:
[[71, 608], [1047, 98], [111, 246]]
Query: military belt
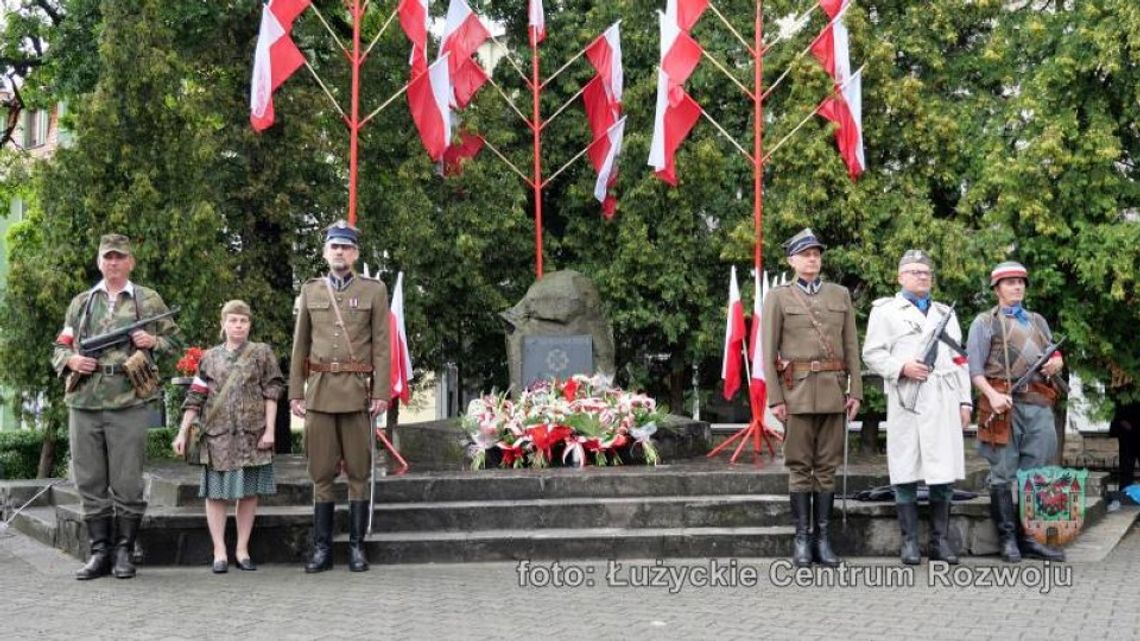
[[110, 370], [336, 367], [801, 367]]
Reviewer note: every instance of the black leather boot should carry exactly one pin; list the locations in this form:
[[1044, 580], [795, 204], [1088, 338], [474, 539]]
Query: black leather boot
[[357, 527], [821, 548], [322, 558], [1002, 512], [99, 560], [908, 527], [801, 515], [940, 548], [128, 530]]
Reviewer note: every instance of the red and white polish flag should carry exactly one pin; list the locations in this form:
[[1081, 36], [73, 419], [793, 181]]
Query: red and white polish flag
[[757, 384], [463, 34], [536, 22], [604, 54], [846, 110], [676, 111], [428, 97], [607, 149], [401, 365], [414, 21], [733, 340], [275, 59]]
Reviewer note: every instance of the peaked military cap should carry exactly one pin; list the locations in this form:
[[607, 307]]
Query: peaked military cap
[[802, 241], [342, 233]]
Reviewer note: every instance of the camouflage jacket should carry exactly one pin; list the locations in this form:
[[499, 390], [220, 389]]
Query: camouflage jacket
[[233, 421], [91, 314]]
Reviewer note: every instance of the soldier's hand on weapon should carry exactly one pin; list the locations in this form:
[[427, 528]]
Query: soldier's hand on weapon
[[1053, 366], [916, 370], [143, 340], [297, 407], [852, 408], [82, 364], [377, 407], [1000, 402], [780, 412]]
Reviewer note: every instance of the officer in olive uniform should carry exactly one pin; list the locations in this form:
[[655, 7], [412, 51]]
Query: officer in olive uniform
[[810, 342], [107, 417], [338, 380]]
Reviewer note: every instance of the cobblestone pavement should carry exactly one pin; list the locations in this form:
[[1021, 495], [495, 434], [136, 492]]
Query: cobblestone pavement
[[39, 599]]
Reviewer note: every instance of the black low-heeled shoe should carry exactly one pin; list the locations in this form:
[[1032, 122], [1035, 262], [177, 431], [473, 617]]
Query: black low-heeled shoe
[[246, 565], [221, 567]]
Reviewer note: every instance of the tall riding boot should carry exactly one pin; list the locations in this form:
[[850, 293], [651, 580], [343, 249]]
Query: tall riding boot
[[99, 560], [801, 514], [822, 545], [357, 526], [128, 526], [1002, 512], [940, 548], [1030, 548], [908, 527], [322, 558]]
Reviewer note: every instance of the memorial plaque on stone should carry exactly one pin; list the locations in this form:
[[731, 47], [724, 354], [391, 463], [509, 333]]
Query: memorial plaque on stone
[[559, 357]]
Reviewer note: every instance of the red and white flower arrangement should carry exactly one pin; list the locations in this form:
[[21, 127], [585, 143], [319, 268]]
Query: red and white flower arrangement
[[585, 417]]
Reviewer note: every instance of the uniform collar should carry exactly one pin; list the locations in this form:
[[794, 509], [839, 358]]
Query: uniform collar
[[339, 283], [811, 288], [128, 289], [921, 302]]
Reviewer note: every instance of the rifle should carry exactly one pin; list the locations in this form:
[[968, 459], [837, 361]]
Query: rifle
[[928, 356], [1023, 383], [96, 345]]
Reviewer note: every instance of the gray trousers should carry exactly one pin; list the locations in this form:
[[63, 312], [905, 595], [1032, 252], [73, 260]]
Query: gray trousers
[[1032, 444], [108, 450]]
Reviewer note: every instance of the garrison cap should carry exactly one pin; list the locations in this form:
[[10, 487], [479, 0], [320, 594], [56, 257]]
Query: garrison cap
[[342, 233], [239, 307], [912, 256], [114, 243]]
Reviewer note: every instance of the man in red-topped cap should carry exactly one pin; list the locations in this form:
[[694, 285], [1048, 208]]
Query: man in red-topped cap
[[1003, 344]]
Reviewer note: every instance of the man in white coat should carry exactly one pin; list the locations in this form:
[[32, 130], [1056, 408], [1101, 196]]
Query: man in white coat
[[927, 408]]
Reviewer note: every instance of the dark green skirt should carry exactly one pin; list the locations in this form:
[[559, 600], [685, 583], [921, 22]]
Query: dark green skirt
[[237, 484]]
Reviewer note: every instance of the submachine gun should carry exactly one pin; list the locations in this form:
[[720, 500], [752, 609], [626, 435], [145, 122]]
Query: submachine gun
[[1022, 384], [928, 355], [94, 346]]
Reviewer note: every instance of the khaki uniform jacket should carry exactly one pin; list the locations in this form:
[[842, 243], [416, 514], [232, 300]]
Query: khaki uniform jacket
[[788, 333], [364, 306]]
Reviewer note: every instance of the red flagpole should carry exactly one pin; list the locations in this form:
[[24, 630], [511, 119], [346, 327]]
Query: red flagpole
[[354, 114], [536, 131], [758, 141]]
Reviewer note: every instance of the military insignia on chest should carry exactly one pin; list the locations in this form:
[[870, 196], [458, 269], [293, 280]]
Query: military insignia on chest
[[353, 303]]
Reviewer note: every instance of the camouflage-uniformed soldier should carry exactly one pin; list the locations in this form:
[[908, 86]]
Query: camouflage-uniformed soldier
[[107, 417], [810, 342], [338, 380]]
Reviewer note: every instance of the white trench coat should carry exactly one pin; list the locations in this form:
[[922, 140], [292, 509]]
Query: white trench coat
[[926, 444]]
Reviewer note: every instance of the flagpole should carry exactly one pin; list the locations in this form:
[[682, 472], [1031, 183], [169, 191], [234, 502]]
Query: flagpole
[[757, 134], [354, 117], [536, 131]]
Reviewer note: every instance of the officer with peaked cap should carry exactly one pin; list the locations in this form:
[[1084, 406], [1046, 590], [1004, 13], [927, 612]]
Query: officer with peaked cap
[[810, 341], [1003, 343], [927, 407], [338, 381]]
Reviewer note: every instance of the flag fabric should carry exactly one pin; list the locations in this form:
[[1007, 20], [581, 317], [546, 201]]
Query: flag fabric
[[275, 59], [757, 383], [428, 97], [845, 108], [607, 148], [463, 34], [401, 366], [733, 340], [602, 98], [536, 22], [414, 18], [469, 146], [676, 112]]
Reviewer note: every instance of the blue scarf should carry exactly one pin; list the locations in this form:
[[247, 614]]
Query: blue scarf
[[1018, 312], [921, 302]]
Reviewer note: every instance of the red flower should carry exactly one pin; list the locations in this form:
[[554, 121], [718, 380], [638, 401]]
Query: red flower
[[188, 364], [570, 390]]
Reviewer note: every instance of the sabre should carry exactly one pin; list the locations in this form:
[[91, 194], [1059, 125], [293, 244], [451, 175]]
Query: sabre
[[372, 472], [846, 434]]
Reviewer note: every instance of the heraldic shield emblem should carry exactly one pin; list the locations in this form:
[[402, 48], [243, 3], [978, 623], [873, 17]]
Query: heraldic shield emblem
[[1052, 501]]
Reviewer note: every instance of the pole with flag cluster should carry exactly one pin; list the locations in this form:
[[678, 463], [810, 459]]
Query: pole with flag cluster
[[677, 113]]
